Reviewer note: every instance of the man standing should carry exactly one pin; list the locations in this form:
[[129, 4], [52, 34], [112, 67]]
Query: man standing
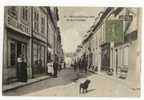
[[75, 66], [64, 65], [85, 63], [55, 67]]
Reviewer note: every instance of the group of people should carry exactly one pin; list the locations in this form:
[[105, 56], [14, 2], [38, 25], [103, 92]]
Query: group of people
[[53, 67], [81, 64]]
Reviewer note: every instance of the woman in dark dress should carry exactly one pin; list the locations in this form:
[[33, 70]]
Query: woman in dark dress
[[19, 62], [23, 71]]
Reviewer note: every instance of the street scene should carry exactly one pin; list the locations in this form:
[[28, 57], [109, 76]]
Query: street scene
[[71, 51]]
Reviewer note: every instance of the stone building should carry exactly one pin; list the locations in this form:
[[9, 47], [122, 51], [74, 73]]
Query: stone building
[[32, 32], [39, 40], [17, 40], [126, 56], [54, 37], [115, 44]]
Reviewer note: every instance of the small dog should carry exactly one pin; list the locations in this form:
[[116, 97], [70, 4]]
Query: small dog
[[84, 86]]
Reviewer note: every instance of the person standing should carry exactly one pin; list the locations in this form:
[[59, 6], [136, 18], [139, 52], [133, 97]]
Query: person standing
[[50, 70], [59, 67], [75, 66], [55, 67], [19, 62], [80, 65], [64, 65], [23, 70], [85, 63]]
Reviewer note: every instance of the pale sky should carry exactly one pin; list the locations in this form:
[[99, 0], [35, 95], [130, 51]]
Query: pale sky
[[72, 31]]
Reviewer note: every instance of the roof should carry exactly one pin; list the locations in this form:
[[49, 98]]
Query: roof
[[106, 12]]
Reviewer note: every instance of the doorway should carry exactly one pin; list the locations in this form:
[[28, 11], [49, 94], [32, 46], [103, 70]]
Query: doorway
[[105, 57], [116, 61], [21, 49], [15, 49]]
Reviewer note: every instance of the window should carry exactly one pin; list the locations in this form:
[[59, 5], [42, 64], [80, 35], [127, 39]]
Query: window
[[35, 52], [43, 55], [125, 57], [120, 57], [38, 58], [39, 52], [42, 25], [13, 54], [12, 11], [36, 21], [25, 13]]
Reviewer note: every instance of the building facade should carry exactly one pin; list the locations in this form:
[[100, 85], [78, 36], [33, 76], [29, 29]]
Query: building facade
[[17, 40], [29, 32], [114, 43], [39, 40]]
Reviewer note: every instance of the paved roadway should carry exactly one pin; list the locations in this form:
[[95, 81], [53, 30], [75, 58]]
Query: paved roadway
[[65, 76]]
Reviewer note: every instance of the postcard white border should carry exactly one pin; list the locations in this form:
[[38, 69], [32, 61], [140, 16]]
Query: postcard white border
[[92, 3]]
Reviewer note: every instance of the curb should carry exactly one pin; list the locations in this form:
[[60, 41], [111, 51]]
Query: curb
[[114, 78], [92, 71], [20, 84]]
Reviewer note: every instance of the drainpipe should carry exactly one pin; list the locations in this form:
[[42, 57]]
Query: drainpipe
[[47, 41], [32, 42]]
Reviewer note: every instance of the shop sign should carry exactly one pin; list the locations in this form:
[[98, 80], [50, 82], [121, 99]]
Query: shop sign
[[126, 17]]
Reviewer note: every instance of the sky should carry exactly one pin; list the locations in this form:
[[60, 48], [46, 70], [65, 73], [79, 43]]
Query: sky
[[74, 22]]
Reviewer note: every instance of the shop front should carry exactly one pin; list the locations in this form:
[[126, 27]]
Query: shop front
[[17, 46], [105, 57], [39, 58]]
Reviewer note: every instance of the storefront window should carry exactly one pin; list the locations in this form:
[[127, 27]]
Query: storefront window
[[38, 58], [42, 55], [13, 54], [35, 60], [16, 49], [39, 53], [105, 57], [120, 57], [125, 57]]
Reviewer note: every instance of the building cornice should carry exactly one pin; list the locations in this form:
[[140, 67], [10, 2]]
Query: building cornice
[[106, 12]]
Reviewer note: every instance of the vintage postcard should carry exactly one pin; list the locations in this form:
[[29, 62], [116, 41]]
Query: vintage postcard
[[71, 51]]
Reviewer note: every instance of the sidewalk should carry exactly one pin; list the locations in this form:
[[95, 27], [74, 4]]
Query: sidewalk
[[117, 79], [21, 84]]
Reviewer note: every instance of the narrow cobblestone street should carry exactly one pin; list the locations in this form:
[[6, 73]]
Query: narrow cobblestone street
[[100, 86], [65, 76], [67, 84]]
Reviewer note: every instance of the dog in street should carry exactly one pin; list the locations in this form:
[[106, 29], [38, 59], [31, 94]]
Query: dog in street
[[84, 86]]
